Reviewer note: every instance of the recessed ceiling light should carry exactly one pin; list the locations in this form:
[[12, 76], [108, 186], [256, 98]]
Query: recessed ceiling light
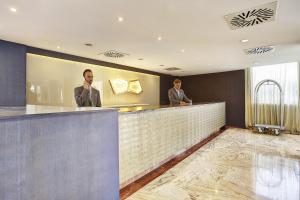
[[120, 19], [182, 50], [13, 9], [159, 38], [58, 47], [244, 40]]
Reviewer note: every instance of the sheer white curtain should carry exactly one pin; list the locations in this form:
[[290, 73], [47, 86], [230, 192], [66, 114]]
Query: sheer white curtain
[[287, 75]]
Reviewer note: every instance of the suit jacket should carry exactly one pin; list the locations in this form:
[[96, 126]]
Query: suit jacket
[[175, 99], [82, 97]]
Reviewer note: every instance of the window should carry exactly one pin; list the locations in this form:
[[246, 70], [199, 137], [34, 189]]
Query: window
[[287, 75]]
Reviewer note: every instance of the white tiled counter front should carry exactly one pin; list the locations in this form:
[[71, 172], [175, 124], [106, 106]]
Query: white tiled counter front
[[149, 138]]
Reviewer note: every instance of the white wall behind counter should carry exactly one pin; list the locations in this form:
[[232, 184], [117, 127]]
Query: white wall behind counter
[[51, 81]]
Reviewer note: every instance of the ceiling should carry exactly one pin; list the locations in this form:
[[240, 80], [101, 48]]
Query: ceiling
[[196, 27]]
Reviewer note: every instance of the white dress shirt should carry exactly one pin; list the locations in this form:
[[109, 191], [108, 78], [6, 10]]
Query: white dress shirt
[[178, 92]]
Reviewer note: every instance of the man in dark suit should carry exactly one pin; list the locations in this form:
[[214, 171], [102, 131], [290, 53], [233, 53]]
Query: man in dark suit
[[177, 96], [86, 95]]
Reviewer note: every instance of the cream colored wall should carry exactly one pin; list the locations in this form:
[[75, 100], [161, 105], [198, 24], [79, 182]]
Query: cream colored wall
[[51, 81]]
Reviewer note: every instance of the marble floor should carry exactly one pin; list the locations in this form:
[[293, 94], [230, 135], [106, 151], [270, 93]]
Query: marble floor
[[238, 164]]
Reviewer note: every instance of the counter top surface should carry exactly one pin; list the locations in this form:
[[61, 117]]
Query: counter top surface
[[133, 109], [34, 110]]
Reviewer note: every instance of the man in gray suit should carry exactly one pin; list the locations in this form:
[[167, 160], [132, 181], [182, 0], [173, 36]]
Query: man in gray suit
[[86, 95], [177, 96]]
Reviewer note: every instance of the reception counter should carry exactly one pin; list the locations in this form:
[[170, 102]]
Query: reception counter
[[59, 153], [152, 135], [87, 153]]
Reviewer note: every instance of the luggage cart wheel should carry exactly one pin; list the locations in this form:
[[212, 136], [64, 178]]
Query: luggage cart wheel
[[260, 129], [277, 131]]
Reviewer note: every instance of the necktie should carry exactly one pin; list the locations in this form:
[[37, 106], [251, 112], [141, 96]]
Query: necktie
[[91, 96]]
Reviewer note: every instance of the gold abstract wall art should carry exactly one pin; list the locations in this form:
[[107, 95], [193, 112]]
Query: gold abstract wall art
[[120, 86]]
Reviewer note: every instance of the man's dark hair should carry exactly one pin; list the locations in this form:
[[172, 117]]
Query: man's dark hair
[[177, 81], [85, 71]]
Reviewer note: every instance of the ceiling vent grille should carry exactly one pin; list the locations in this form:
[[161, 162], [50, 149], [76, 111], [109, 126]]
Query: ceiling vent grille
[[172, 69], [259, 50], [251, 17], [114, 54]]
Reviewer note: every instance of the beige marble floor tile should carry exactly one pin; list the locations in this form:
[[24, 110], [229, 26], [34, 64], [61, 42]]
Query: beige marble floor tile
[[238, 164]]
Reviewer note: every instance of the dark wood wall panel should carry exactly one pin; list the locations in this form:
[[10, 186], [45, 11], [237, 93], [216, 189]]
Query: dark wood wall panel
[[166, 82], [224, 86]]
